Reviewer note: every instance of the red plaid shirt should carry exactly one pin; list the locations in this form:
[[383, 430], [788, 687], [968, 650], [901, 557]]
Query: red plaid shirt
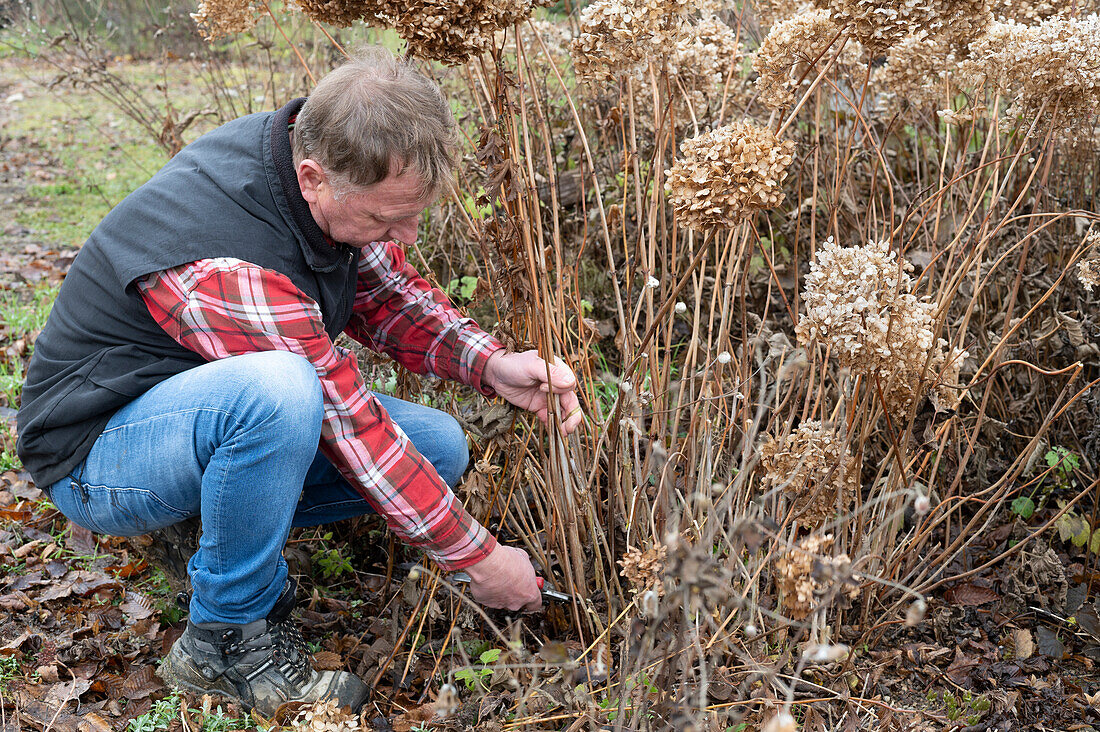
[[225, 307]]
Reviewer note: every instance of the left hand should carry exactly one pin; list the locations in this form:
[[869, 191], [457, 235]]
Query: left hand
[[521, 379]]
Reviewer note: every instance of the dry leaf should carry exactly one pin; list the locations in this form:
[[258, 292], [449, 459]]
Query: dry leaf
[[970, 595]]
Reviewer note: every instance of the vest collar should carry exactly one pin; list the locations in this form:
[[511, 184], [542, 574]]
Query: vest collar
[[321, 253]]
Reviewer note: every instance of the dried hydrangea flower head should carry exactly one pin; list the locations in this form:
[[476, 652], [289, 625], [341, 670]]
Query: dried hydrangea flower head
[[616, 36], [859, 303], [342, 12], [723, 176], [703, 54], [917, 73], [960, 21], [643, 569], [808, 577], [770, 12], [1053, 68], [441, 30], [325, 716], [219, 18], [1088, 270], [879, 24], [789, 50], [453, 32], [814, 468]]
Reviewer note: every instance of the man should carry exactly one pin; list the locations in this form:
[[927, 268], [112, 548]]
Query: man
[[187, 369]]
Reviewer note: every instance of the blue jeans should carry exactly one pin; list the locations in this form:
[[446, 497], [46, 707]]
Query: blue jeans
[[235, 441]]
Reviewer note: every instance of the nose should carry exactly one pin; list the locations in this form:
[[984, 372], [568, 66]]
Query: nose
[[405, 231]]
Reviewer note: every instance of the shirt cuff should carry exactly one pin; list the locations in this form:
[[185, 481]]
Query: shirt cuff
[[482, 547], [479, 357]]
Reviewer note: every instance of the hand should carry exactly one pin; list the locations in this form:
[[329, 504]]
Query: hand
[[521, 379], [505, 579]]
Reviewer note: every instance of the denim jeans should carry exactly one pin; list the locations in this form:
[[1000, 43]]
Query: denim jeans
[[235, 441]]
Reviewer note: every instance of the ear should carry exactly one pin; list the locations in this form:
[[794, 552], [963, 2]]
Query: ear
[[311, 176]]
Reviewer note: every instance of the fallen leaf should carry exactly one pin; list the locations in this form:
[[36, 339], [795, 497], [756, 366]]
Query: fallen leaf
[[1089, 621], [1048, 643], [140, 684], [61, 693], [970, 595], [327, 661], [1023, 643], [80, 540], [136, 606]]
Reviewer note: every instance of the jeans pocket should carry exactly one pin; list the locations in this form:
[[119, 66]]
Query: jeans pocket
[[125, 511]]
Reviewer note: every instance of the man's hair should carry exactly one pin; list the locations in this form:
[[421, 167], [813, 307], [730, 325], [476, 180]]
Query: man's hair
[[374, 115]]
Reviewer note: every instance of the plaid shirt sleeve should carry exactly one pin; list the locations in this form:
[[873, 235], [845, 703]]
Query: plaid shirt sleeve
[[398, 313], [225, 307]]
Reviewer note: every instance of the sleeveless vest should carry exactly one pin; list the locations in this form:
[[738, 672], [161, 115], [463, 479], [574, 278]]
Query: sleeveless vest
[[231, 193]]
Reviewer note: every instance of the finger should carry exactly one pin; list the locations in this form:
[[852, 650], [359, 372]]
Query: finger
[[573, 422]]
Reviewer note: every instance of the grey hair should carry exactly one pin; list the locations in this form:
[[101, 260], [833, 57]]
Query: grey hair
[[375, 115]]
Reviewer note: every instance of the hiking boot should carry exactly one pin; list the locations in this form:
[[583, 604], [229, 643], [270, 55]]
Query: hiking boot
[[170, 549], [262, 664]]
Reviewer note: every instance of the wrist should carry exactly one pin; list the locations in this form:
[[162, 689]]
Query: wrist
[[488, 374]]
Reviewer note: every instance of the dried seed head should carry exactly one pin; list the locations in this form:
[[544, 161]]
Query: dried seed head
[[922, 505], [825, 653], [814, 467], [782, 722], [916, 612], [725, 175], [680, 308]]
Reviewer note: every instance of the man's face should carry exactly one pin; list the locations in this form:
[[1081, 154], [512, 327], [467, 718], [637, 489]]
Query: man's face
[[387, 210]]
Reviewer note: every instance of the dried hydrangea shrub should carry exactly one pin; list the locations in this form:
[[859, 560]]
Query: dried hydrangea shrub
[[815, 469], [859, 303], [1053, 68], [644, 569], [807, 577], [723, 176], [220, 18], [791, 47], [616, 36]]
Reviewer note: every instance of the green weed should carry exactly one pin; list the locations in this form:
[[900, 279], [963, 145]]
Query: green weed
[[167, 710], [9, 669], [475, 677]]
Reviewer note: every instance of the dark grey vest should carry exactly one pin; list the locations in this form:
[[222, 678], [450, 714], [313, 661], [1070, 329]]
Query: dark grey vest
[[231, 193]]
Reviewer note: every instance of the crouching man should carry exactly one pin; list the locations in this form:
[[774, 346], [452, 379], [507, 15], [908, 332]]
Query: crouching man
[[188, 369]]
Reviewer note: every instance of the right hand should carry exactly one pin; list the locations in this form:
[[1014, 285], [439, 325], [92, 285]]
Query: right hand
[[505, 579]]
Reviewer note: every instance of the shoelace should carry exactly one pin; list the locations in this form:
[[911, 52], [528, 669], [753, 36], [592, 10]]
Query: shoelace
[[290, 644]]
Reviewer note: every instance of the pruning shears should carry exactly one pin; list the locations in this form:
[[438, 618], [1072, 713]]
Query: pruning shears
[[462, 578]]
